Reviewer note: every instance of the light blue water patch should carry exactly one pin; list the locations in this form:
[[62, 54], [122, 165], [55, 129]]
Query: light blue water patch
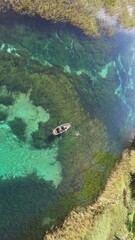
[[130, 84], [103, 73], [9, 48], [120, 63], [130, 71], [126, 83], [24, 108], [67, 69], [133, 50], [41, 60], [19, 159]]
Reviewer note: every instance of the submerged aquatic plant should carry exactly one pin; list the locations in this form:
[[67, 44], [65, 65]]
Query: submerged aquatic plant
[[26, 202], [18, 127], [6, 100], [3, 116]]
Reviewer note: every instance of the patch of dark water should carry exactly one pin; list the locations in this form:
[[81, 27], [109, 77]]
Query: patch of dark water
[[25, 202], [94, 74]]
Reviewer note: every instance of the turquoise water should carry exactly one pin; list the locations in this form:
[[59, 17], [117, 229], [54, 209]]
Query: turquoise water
[[21, 160], [50, 74]]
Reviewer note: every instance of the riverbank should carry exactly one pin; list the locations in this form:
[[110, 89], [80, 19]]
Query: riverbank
[[89, 16], [112, 216]]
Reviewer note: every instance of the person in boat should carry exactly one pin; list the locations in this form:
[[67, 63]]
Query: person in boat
[[63, 128], [55, 132], [60, 129]]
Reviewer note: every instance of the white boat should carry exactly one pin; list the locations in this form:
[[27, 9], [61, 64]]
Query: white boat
[[61, 129]]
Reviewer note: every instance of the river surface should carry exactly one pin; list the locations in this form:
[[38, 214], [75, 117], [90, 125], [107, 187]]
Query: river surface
[[52, 73]]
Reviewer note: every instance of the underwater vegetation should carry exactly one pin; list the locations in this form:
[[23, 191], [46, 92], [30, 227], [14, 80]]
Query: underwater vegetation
[[25, 201], [6, 100], [3, 115], [18, 127], [74, 79]]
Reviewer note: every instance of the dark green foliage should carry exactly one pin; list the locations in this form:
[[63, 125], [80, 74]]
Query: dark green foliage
[[91, 186], [6, 100], [110, 2], [26, 202], [133, 225], [38, 139], [43, 136], [3, 116], [133, 185], [105, 160], [18, 127], [66, 202]]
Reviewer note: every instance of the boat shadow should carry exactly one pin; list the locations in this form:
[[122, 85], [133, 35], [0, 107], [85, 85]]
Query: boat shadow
[[51, 138]]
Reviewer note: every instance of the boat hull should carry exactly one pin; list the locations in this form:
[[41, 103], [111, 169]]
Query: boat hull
[[61, 129]]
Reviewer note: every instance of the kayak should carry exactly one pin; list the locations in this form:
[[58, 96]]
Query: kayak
[[61, 129]]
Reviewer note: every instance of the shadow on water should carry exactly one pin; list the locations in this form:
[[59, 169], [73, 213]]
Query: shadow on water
[[24, 204], [51, 138]]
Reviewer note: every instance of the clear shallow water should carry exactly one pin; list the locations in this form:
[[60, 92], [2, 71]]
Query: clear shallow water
[[21, 159], [56, 74]]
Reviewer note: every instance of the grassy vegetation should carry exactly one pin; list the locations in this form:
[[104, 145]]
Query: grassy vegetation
[[127, 20]]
